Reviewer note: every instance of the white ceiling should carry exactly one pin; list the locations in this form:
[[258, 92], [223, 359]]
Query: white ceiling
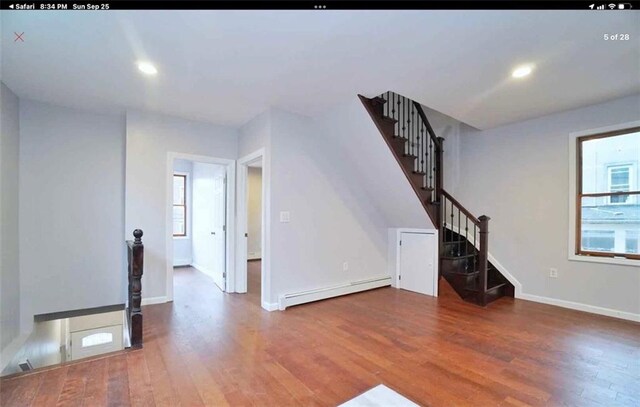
[[228, 66]]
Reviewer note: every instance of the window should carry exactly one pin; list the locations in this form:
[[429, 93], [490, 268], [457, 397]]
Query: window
[[607, 194], [632, 237], [179, 205], [97, 339], [599, 240], [619, 178]]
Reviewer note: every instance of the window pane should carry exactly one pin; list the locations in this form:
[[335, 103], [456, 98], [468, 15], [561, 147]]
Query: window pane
[[178, 190], [611, 163], [609, 227], [178, 220], [598, 240], [620, 177], [97, 339], [631, 241]]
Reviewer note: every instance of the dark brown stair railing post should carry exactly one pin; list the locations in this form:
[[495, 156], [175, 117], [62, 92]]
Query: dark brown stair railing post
[[136, 260], [439, 169], [483, 258]]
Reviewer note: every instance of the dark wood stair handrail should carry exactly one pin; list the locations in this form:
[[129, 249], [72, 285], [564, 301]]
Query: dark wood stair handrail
[[458, 205]]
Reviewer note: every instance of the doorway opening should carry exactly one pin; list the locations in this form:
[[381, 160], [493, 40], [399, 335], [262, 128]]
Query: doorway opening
[[252, 253], [254, 230], [200, 219]]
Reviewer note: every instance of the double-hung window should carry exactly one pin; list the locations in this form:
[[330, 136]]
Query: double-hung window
[[179, 205], [608, 194]]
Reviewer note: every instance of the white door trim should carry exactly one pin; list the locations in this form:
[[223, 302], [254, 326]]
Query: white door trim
[[230, 218], [399, 233], [241, 242]]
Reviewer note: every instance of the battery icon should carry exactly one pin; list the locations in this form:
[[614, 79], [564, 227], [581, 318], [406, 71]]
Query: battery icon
[[622, 6]]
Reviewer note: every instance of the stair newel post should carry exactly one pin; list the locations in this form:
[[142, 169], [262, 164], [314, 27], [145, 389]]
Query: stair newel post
[[439, 172], [483, 258], [136, 260]]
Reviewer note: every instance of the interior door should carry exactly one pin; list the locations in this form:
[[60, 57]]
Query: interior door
[[209, 214], [417, 262], [218, 225]]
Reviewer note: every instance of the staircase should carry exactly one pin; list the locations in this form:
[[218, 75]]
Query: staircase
[[463, 238]]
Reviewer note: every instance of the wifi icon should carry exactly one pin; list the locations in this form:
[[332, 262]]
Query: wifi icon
[[612, 6]]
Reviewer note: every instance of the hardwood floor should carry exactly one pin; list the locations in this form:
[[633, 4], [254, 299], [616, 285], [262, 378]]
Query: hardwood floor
[[211, 348]]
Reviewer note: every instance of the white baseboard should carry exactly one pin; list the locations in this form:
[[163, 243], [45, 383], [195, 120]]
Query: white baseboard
[[270, 306], [181, 262], [154, 300], [288, 300], [581, 307]]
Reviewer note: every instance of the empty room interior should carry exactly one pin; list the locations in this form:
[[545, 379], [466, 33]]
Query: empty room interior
[[320, 207]]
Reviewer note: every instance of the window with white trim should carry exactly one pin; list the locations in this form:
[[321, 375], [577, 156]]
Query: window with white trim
[[607, 194], [179, 205]]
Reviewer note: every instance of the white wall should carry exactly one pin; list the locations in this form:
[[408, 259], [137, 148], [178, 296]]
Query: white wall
[[71, 210], [343, 189], [519, 176], [451, 129], [357, 145], [9, 232], [182, 244], [254, 212], [255, 134], [150, 138]]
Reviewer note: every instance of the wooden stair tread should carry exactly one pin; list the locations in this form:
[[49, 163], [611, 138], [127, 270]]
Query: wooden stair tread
[[464, 256], [461, 273], [496, 285], [454, 241]]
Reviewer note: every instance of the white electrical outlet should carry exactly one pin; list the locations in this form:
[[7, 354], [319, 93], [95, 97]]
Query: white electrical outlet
[[284, 216], [345, 266], [553, 273]]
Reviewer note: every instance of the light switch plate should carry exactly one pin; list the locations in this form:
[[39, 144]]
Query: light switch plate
[[284, 216]]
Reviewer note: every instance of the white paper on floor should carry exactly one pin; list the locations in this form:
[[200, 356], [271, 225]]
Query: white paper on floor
[[380, 396]]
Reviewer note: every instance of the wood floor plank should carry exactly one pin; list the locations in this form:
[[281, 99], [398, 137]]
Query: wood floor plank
[[217, 349], [74, 385], [51, 387], [117, 381], [97, 383], [140, 388]]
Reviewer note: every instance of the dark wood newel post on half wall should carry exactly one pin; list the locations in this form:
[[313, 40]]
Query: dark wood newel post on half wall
[[483, 258], [135, 254]]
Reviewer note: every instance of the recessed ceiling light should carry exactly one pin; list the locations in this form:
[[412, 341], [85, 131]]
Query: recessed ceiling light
[[147, 68], [522, 71]]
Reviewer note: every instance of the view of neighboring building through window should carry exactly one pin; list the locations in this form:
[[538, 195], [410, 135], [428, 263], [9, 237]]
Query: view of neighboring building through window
[[619, 181], [608, 194], [179, 205]]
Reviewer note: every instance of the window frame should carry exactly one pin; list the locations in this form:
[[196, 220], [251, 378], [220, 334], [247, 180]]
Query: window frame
[[184, 190], [579, 195]]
